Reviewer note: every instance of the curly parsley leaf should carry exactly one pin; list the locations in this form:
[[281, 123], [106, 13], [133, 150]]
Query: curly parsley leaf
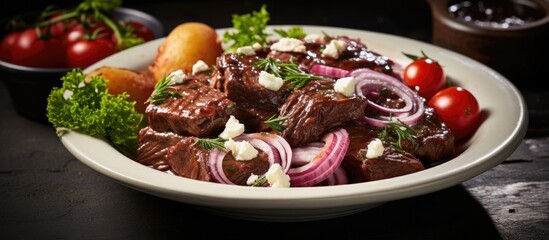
[[293, 32], [87, 107], [250, 29]]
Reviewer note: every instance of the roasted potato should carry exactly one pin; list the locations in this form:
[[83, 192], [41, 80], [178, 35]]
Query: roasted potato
[[137, 85], [184, 46]]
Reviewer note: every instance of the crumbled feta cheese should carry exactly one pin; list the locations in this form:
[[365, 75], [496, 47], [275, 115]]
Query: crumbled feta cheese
[[345, 86], [241, 150], [177, 76], [200, 66], [312, 37], [251, 179], [257, 46], [67, 94], [375, 148], [233, 128], [246, 50], [289, 45], [270, 81], [81, 84], [276, 177], [334, 48]]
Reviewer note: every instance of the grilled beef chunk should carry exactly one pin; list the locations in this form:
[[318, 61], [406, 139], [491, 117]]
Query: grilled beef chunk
[[188, 160], [356, 55], [238, 78], [199, 111], [153, 147], [316, 108], [435, 143], [239, 171], [391, 164]]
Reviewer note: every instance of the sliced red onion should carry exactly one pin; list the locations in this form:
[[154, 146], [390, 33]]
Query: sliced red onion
[[368, 80], [328, 71], [338, 178], [325, 163], [304, 155], [276, 147]]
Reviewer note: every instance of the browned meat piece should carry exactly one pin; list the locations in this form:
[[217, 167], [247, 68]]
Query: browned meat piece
[[315, 109], [391, 164], [435, 142], [188, 160], [356, 55], [200, 111], [238, 78], [153, 148], [239, 171]]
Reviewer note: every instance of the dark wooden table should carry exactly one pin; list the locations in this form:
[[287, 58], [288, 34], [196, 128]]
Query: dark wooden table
[[46, 193]]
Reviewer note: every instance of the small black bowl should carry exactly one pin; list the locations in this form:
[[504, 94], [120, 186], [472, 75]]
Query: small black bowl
[[30, 87]]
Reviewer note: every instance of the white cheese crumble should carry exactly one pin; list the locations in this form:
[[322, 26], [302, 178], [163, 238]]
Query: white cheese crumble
[[251, 179], [177, 76], [312, 37], [67, 94], [345, 86], [81, 84], [233, 128], [276, 177], [246, 50], [375, 148], [334, 48], [257, 46], [289, 45], [241, 150], [270, 81], [200, 66]]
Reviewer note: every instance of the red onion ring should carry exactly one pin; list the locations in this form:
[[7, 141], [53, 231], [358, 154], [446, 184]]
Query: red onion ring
[[328, 71], [368, 79], [325, 163], [338, 178]]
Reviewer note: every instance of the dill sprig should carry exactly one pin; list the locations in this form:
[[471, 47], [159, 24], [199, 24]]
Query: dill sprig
[[161, 93], [275, 123], [208, 144], [399, 131], [287, 71]]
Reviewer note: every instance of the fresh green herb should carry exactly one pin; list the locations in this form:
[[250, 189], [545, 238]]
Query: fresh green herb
[[90, 10], [161, 93], [415, 57], [287, 71], [208, 144], [276, 123], [87, 107], [293, 32], [259, 181], [250, 29], [395, 133]]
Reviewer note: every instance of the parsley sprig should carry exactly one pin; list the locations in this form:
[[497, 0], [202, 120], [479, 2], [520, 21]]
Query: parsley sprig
[[208, 144], [161, 93], [275, 123], [287, 71], [398, 131], [250, 29]]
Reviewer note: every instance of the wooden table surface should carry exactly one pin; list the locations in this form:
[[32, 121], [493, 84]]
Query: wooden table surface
[[46, 193]]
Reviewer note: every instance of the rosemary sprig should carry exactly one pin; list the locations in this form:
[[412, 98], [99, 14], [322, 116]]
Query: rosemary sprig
[[275, 123], [287, 71], [209, 144], [399, 131], [259, 181], [293, 32], [161, 93]]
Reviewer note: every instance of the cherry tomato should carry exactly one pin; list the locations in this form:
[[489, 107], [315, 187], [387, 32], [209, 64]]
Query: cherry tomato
[[73, 34], [6, 44], [459, 110], [140, 30], [33, 50], [425, 76], [85, 52]]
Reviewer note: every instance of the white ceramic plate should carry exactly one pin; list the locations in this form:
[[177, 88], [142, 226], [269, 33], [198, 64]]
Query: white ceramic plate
[[498, 136]]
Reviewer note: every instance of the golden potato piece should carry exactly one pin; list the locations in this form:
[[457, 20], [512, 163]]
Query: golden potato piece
[[184, 46], [137, 85]]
